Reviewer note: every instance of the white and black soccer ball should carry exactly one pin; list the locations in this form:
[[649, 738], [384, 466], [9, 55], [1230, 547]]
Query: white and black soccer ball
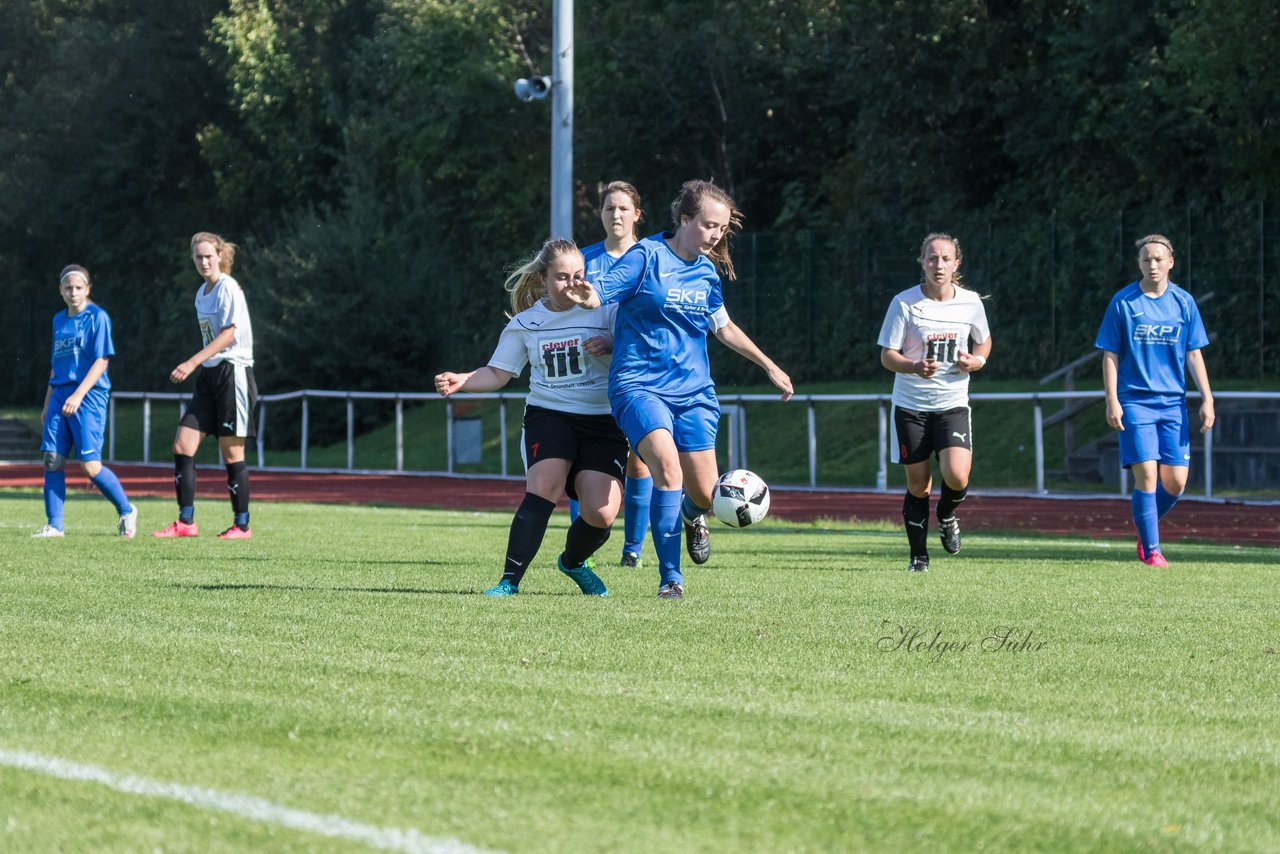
[[741, 498]]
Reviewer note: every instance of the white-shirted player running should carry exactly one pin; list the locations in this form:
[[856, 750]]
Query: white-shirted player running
[[226, 393], [934, 336], [571, 442]]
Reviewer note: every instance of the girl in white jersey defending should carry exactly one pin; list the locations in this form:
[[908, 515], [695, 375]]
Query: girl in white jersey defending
[[571, 442], [934, 336], [226, 392]]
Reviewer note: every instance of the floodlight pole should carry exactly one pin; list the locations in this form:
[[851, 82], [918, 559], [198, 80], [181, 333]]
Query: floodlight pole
[[562, 120]]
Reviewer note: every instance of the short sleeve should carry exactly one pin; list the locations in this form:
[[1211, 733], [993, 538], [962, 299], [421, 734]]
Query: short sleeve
[[979, 331], [625, 277], [102, 346], [1197, 335], [511, 354], [1111, 332], [894, 329]]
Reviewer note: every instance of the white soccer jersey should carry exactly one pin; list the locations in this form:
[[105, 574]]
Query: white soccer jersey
[[216, 310], [922, 328], [562, 375]]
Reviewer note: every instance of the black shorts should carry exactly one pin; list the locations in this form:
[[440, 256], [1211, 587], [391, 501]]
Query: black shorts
[[592, 442], [225, 402], [923, 433]]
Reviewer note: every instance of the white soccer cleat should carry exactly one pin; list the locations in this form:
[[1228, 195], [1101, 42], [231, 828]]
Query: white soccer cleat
[[48, 532], [128, 527]]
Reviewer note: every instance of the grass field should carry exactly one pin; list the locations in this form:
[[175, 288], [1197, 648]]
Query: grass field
[[807, 695]]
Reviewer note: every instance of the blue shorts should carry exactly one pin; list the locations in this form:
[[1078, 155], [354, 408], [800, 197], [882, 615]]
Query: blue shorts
[[1155, 432], [693, 425], [85, 430]]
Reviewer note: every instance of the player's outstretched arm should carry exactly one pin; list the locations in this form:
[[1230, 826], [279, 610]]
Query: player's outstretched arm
[[581, 293], [1200, 374], [732, 336], [479, 380], [1110, 381]]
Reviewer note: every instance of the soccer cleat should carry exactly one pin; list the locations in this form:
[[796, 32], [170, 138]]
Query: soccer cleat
[[949, 531], [503, 588], [235, 532], [1156, 559], [671, 590], [918, 564], [697, 540], [588, 582], [1142, 553], [178, 529], [128, 526], [48, 532], [630, 560]]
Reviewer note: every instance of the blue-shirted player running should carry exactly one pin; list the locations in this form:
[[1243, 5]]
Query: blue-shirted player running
[[1151, 334], [75, 404], [668, 293], [620, 210]]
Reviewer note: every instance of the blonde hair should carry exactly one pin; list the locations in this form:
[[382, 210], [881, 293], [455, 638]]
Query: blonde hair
[[527, 283], [1154, 238], [942, 235], [688, 203], [225, 248]]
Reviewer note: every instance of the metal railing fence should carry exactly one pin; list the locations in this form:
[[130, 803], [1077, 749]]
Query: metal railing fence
[[733, 411]]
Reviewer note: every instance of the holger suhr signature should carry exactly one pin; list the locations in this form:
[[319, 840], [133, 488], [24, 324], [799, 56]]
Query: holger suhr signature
[[938, 643]]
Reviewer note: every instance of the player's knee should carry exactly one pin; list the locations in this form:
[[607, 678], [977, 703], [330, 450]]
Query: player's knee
[[54, 462], [90, 468]]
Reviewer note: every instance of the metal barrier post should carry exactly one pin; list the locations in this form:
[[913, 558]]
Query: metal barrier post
[[1208, 463], [306, 429], [813, 446], [146, 429], [882, 443], [448, 437], [1039, 419], [502, 433], [399, 434], [111, 430], [351, 433], [262, 425]]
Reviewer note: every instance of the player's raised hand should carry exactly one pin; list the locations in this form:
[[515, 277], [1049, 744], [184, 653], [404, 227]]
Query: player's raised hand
[[448, 382], [580, 292], [181, 372]]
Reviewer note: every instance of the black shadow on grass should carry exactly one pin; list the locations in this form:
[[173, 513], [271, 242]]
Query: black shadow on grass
[[305, 588]]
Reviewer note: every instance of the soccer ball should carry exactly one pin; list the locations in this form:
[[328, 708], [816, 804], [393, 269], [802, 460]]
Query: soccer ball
[[741, 498]]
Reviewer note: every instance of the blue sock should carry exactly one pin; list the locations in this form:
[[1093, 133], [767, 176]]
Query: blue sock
[[1144, 517], [664, 521], [1164, 500], [636, 513], [573, 510], [55, 495], [690, 511], [109, 485]]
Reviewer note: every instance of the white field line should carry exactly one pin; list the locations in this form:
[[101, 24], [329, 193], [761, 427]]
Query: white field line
[[245, 806]]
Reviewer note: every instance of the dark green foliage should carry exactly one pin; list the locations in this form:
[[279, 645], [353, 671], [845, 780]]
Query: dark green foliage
[[371, 160]]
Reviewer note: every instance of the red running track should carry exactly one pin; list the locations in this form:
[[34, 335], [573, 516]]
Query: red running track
[[1212, 521]]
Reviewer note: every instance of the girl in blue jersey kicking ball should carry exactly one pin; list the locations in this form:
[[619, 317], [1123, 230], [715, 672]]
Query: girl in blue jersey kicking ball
[[75, 404], [667, 288], [1151, 334]]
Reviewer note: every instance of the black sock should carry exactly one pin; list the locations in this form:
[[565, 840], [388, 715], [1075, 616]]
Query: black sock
[[184, 482], [527, 529], [915, 514], [238, 490], [582, 542], [950, 500]]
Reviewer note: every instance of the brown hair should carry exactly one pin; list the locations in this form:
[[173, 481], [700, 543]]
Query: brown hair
[[629, 191], [942, 235], [77, 270], [225, 248], [526, 283], [688, 203], [1154, 238]]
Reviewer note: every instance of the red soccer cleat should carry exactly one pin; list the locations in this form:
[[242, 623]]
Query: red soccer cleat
[[235, 533], [1156, 559], [178, 529]]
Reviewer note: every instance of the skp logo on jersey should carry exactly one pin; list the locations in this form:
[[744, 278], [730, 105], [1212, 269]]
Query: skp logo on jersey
[[1156, 333], [688, 299]]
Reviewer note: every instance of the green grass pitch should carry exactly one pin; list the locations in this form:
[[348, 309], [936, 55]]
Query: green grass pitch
[[807, 695]]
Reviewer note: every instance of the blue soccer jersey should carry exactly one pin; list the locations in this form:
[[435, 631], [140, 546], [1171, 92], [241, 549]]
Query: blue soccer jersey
[[666, 308], [597, 261], [1152, 337], [78, 342]]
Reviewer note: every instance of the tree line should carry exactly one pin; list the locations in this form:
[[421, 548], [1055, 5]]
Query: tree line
[[371, 160]]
